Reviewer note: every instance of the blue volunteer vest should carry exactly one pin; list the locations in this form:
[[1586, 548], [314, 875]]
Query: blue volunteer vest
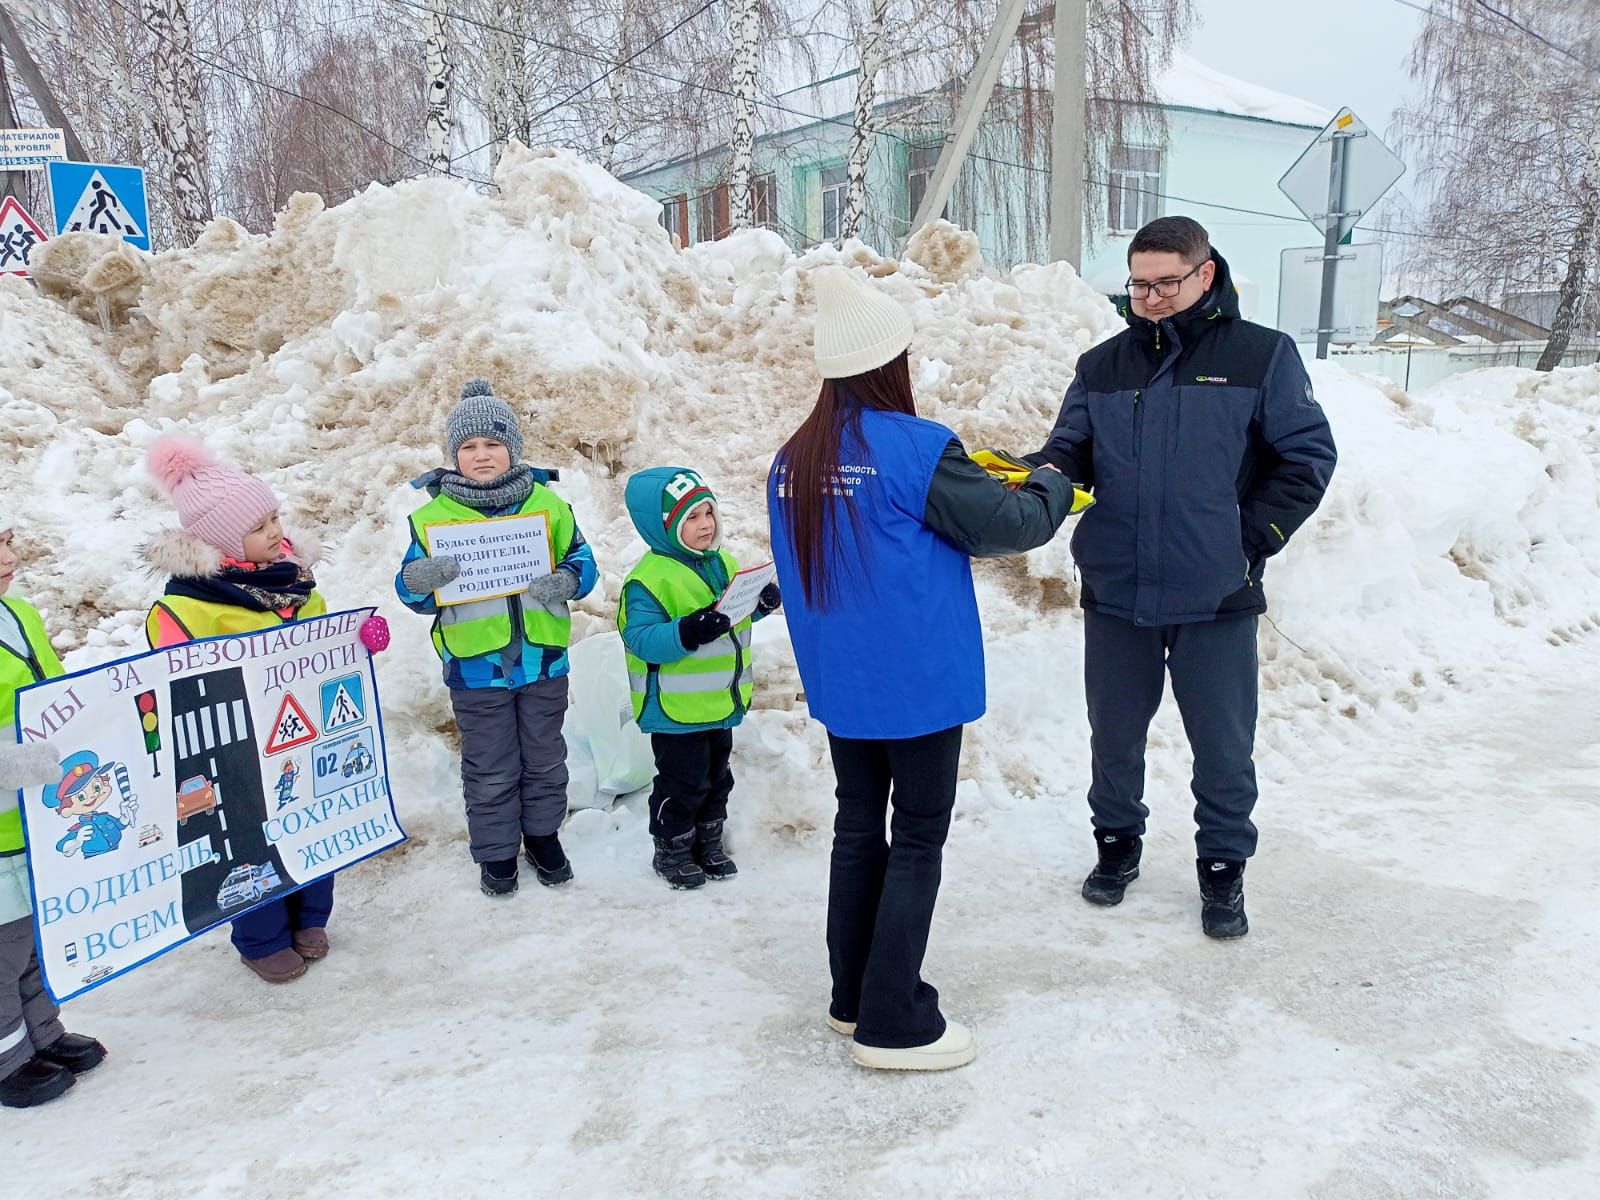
[[899, 651]]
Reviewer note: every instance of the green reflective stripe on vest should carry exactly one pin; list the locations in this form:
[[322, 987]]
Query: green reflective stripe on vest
[[17, 672], [709, 684], [481, 627]]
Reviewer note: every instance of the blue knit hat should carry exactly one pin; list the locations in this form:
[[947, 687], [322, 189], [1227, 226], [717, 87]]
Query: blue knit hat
[[480, 413]]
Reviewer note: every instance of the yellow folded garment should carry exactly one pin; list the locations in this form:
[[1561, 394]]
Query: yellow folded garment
[[1012, 471]]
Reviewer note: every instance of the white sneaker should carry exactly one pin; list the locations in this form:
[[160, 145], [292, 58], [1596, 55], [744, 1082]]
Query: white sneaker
[[848, 1028], [955, 1049]]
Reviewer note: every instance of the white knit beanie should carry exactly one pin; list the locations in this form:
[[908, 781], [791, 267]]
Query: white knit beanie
[[857, 328]]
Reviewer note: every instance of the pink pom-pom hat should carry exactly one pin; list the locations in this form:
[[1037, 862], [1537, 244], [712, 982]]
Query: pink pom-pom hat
[[217, 503]]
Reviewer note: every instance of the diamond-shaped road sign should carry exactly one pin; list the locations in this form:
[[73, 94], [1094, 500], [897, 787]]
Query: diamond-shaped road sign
[[1370, 170]]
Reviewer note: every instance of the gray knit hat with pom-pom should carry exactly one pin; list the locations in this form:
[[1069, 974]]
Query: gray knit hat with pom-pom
[[480, 413]]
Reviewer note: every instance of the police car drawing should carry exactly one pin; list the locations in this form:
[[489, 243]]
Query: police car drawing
[[85, 788]]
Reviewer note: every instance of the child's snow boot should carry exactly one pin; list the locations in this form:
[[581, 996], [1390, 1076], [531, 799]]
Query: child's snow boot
[[34, 1082], [1117, 868], [498, 878], [674, 861], [311, 944], [708, 852], [280, 966], [74, 1051], [548, 860], [1222, 898]]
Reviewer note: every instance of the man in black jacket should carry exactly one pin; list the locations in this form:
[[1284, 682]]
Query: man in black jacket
[[1205, 449]]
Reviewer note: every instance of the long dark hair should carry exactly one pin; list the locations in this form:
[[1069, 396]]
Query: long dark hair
[[807, 466]]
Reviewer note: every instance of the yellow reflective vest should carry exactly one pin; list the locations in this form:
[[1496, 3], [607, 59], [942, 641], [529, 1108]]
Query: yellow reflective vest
[[18, 671], [707, 685]]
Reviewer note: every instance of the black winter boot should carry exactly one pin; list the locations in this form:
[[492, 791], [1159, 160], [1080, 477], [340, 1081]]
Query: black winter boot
[[1222, 898], [74, 1051], [548, 860], [1117, 868], [498, 878], [34, 1082], [674, 861], [708, 852]]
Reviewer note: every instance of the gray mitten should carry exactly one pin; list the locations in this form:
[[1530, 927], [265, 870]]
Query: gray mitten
[[29, 764], [423, 575], [555, 588]]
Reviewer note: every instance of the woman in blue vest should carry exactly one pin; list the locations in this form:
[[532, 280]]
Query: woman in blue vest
[[875, 514]]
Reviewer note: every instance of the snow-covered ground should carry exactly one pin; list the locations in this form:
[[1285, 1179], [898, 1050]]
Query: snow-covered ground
[[1414, 1012]]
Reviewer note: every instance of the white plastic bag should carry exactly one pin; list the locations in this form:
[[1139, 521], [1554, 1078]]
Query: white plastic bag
[[607, 755]]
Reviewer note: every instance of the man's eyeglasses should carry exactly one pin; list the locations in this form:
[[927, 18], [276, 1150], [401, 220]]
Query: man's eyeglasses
[[1165, 288]]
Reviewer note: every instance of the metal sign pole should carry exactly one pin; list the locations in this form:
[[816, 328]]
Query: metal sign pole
[[1330, 243]]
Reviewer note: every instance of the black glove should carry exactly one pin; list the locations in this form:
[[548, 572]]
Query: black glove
[[771, 597], [699, 628]]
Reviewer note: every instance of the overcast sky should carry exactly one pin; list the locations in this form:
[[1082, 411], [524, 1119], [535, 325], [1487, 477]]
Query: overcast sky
[[1352, 53]]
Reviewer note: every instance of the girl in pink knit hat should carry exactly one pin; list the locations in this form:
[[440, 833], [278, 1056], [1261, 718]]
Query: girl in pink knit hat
[[233, 569]]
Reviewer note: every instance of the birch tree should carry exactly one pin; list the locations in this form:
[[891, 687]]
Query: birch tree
[[746, 28], [1507, 143], [437, 62], [863, 131], [180, 116]]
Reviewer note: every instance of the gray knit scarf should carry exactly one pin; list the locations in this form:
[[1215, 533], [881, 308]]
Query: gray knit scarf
[[503, 491]]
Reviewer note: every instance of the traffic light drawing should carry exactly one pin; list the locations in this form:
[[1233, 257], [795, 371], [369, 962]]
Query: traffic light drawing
[[150, 722]]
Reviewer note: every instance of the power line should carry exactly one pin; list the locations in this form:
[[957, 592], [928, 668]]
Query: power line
[[289, 92], [1428, 10], [596, 82]]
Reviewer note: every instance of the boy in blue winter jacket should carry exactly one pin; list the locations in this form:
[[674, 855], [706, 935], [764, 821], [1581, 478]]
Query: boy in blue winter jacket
[[688, 668], [505, 659]]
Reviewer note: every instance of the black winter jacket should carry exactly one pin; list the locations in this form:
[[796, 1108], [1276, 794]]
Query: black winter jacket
[[1205, 450]]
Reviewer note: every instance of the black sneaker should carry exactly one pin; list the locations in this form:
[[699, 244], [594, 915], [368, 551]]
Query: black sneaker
[[674, 861], [1222, 898], [708, 852], [34, 1082], [498, 878], [1117, 868], [548, 860], [75, 1052]]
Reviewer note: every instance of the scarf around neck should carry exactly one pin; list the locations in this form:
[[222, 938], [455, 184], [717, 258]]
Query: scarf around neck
[[503, 491], [281, 587]]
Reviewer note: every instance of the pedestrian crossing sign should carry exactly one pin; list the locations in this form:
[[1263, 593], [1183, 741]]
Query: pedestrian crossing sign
[[291, 727], [100, 198], [343, 703]]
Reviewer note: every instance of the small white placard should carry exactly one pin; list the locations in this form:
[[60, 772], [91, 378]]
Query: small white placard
[[498, 555], [744, 592]]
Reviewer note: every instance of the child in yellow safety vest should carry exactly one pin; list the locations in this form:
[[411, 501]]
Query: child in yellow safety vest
[[504, 656], [689, 668], [38, 1057], [233, 570]]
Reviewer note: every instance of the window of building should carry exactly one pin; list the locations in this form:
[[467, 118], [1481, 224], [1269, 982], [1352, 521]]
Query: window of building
[[675, 217], [714, 209], [920, 162], [835, 181], [1135, 184]]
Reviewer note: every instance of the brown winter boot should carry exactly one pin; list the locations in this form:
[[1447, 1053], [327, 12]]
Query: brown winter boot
[[311, 944], [278, 967]]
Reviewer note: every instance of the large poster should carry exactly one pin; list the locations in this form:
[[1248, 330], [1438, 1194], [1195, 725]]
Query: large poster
[[197, 782]]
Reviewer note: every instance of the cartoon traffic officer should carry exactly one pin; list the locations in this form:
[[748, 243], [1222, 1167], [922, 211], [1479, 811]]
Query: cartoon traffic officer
[[81, 796]]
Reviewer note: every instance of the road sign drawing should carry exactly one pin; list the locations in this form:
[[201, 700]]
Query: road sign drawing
[[291, 727], [343, 703]]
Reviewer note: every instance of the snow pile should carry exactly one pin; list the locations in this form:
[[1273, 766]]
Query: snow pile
[[1460, 530]]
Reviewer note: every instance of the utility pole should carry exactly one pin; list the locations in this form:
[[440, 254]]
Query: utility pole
[[33, 79], [969, 115], [11, 184], [1066, 134]]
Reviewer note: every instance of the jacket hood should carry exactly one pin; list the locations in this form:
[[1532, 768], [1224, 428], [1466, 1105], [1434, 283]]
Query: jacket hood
[[1221, 302], [181, 554], [644, 495]]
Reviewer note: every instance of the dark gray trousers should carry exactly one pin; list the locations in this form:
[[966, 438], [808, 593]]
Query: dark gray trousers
[[1214, 680], [513, 764], [29, 1019]]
